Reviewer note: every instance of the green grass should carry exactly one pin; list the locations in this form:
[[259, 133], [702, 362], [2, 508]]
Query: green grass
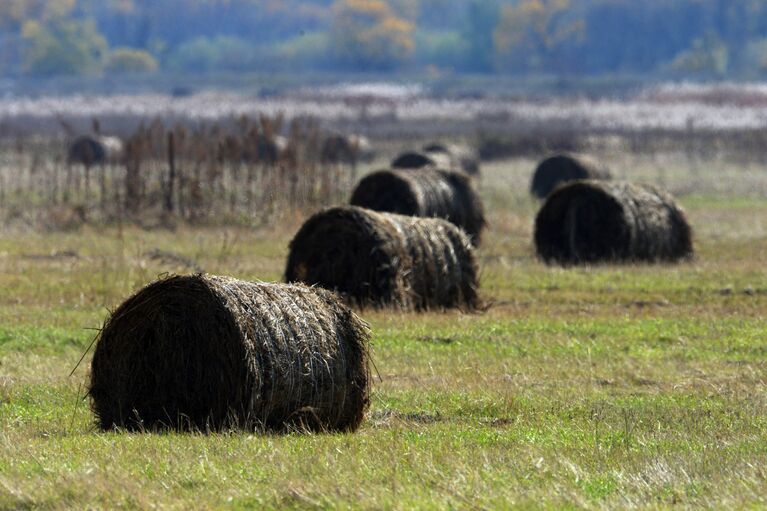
[[610, 386]]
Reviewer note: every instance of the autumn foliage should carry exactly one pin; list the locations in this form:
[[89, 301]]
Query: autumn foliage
[[368, 34]]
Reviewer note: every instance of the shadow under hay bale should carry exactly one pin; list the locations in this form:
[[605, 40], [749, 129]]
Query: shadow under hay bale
[[91, 150], [380, 259], [211, 353], [426, 193], [592, 221], [561, 168], [461, 157]]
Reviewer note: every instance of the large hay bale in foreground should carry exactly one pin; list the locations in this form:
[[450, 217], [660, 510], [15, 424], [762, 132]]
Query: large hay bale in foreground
[[561, 168], [591, 221], [461, 156], [380, 259], [209, 353], [92, 150], [426, 193]]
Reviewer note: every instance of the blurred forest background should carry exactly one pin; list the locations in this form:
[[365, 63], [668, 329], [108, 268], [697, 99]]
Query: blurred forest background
[[697, 39]]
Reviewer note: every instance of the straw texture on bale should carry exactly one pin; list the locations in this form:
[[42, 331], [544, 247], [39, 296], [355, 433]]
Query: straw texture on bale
[[592, 221], [209, 353], [562, 168], [95, 150], [427, 193], [384, 260], [461, 157]]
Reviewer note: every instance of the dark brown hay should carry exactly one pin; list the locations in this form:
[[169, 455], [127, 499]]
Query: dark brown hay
[[561, 168], [95, 150], [461, 157], [380, 259], [591, 221], [210, 353], [425, 193], [420, 160]]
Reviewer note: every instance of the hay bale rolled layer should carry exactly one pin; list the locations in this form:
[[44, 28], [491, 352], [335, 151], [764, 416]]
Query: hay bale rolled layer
[[95, 150], [561, 168], [380, 259], [428, 193], [592, 221], [210, 353], [461, 156]]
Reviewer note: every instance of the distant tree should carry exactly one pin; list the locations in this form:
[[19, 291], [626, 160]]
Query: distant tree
[[481, 22], [368, 35], [223, 53], [14, 13], [708, 56], [130, 60], [62, 46], [531, 32]]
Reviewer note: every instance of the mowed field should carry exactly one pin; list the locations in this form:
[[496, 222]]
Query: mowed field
[[610, 386]]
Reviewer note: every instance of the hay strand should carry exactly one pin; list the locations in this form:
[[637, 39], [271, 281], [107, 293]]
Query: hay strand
[[210, 353], [380, 259], [591, 221]]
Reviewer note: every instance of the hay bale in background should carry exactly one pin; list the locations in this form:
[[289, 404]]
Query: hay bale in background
[[561, 168], [212, 353], [348, 149], [270, 149], [380, 259], [530, 143], [425, 193], [591, 221], [92, 150], [420, 160], [461, 156]]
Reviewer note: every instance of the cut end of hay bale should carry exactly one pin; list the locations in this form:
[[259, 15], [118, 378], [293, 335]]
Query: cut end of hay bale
[[460, 157], [346, 149], [413, 160], [94, 150], [210, 353], [593, 221], [384, 260], [428, 193], [562, 168], [390, 192]]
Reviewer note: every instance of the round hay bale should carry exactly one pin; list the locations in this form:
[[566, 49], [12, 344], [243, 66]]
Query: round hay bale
[[462, 157], [413, 160], [208, 353], [591, 221], [348, 149], [380, 259], [561, 168], [427, 193], [92, 150], [267, 150]]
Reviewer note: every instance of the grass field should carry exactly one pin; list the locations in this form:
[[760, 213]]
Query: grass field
[[612, 386]]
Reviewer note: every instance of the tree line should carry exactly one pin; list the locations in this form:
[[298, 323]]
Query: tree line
[[707, 38]]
